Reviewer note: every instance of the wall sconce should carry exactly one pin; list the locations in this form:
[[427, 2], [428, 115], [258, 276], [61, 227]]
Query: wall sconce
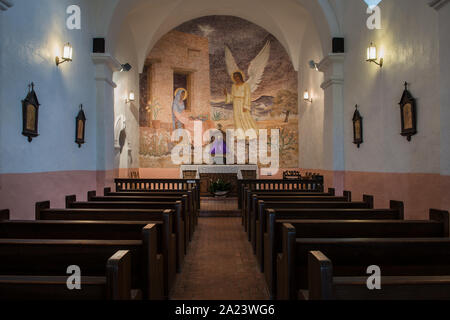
[[307, 97], [67, 54], [131, 97], [314, 65], [372, 55]]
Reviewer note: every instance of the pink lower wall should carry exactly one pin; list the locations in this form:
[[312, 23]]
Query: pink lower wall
[[20, 192], [419, 192]]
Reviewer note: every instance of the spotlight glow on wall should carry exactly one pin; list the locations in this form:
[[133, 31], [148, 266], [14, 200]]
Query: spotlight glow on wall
[[67, 54], [131, 97], [372, 55], [307, 97]]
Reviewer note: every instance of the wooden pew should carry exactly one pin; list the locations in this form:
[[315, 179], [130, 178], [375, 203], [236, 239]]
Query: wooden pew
[[266, 221], [300, 203], [53, 257], [270, 244], [252, 213], [146, 185], [195, 207], [352, 256], [96, 230], [72, 203], [186, 215], [324, 285], [304, 185], [247, 205], [162, 218], [114, 285], [4, 214]]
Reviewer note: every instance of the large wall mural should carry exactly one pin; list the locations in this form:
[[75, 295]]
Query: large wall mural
[[191, 74]]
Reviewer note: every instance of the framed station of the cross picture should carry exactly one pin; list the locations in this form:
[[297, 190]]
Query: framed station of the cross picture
[[357, 128], [408, 114]]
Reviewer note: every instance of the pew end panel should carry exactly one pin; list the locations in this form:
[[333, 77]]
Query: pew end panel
[[286, 265], [70, 200], [398, 206], [118, 274], [39, 207], [320, 276], [91, 194], [323, 285], [107, 191], [369, 199], [4, 214], [347, 195], [269, 258], [153, 265], [443, 217]]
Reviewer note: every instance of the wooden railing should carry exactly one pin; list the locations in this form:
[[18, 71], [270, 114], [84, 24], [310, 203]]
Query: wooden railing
[[143, 185], [314, 184]]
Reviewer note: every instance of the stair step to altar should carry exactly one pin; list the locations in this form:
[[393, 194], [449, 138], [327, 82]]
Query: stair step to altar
[[219, 207]]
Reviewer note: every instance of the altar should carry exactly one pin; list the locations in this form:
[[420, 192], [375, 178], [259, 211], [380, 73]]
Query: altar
[[228, 173]]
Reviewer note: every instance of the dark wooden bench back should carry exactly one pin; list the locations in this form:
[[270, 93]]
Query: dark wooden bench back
[[248, 199], [169, 228], [189, 193], [4, 214], [351, 257], [53, 257], [97, 230], [187, 212], [312, 185], [323, 285], [136, 185], [114, 285], [181, 225], [269, 233], [262, 205]]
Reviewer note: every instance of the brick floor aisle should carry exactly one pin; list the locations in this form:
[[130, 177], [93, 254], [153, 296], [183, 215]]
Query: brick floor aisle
[[220, 265]]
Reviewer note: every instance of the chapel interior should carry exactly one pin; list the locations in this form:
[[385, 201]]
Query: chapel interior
[[224, 150]]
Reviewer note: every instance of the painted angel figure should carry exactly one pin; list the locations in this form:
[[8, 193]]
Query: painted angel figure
[[241, 92]]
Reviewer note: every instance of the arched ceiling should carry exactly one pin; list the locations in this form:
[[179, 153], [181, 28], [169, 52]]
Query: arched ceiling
[[149, 20]]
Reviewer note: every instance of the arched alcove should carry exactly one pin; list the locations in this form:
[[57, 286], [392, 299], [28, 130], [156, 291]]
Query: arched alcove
[[295, 23]]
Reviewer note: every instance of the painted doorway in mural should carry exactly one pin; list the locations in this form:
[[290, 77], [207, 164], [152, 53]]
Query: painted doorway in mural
[[182, 79]]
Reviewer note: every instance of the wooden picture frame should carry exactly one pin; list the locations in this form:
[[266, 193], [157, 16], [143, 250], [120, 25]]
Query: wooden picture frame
[[80, 127], [408, 114], [30, 114], [358, 134]]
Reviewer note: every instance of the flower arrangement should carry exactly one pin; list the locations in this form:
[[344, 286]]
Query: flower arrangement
[[219, 187]]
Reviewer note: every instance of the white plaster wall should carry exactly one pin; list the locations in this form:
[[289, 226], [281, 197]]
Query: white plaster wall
[[126, 82], [311, 123], [409, 38], [32, 33]]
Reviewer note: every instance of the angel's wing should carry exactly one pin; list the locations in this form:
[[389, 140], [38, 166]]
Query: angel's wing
[[230, 62], [257, 67]]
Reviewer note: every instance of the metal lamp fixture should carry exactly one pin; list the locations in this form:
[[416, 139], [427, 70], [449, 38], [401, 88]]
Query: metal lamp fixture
[[372, 55], [131, 97], [67, 54], [307, 97]]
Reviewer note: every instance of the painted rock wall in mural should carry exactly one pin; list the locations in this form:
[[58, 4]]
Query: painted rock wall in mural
[[188, 70]]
